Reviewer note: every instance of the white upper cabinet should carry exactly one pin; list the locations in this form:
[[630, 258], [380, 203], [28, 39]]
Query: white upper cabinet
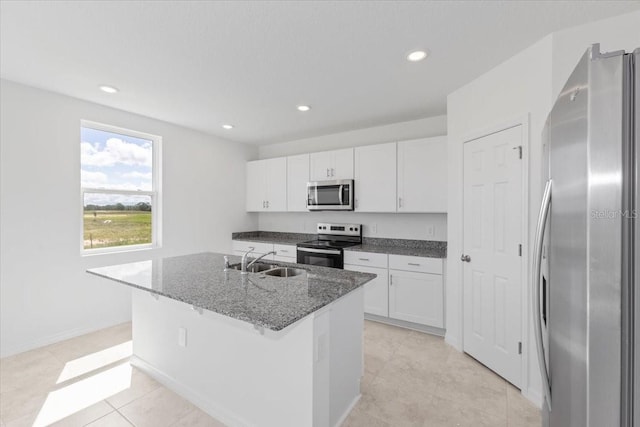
[[267, 185], [422, 175], [297, 178], [375, 178], [330, 165]]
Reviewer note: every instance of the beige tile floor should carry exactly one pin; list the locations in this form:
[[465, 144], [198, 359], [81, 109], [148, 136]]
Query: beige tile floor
[[411, 379]]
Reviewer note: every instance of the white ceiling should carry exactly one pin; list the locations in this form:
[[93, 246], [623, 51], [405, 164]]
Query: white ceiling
[[201, 64]]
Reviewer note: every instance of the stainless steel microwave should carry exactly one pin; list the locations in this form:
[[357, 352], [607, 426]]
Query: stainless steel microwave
[[330, 195]]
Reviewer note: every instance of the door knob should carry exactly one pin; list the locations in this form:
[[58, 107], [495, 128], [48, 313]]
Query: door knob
[[465, 258]]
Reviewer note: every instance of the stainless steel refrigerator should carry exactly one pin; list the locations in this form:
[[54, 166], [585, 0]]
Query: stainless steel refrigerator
[[586, 253]]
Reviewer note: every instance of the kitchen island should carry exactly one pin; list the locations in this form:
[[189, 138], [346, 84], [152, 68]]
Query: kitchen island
[[249, 349]]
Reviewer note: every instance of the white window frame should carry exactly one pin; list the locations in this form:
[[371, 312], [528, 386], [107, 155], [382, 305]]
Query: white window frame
[[155, 193]]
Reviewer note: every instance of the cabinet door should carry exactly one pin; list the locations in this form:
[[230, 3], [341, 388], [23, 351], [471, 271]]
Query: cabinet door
[[256, 186], [276, 178], [297, 178], [320, 166], [416, 297], [422, 175], [375, 178], [342, 164], [376, 292]]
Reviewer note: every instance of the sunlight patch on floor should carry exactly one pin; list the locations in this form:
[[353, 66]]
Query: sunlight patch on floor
[[81, 394], [94, 361]]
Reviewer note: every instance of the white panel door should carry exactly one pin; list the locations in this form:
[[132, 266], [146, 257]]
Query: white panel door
[[256, 186], [276, 178], [342, 164], [416, 297], [375, 178], [376, 292], [422, 175], [297, 178], [320, 166], [492, 238]]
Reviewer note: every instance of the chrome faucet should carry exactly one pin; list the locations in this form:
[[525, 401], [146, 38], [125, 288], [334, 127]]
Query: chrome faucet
[[244, 264]]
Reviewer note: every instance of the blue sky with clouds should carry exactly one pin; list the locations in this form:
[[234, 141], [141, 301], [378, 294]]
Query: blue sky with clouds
[[115, 161]]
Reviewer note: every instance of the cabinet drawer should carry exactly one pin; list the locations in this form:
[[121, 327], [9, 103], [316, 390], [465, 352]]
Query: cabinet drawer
[[285, 251], [416, 263], [370, 259], [259, 247]]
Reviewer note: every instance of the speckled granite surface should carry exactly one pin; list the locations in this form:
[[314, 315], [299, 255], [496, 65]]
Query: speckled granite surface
[[271, 302], [273, 237], [424, 248]]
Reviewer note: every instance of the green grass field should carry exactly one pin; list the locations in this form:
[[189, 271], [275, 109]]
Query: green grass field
[[116, 228]]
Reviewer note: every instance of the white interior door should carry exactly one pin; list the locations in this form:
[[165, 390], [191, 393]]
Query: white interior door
[[493, 221]]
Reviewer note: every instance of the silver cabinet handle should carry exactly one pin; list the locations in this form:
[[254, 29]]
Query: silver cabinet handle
[[465, 258], [535, 284], [263, 204], [415, 264], [391, 280], [399, 202], [267, 204], [333, 172], [283, 250], [363, 259], [328, 172]]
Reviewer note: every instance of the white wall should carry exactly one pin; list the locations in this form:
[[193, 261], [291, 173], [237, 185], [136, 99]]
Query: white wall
[[402, 226], [524, 86], [398, 226], [430, 126], [44, 292]]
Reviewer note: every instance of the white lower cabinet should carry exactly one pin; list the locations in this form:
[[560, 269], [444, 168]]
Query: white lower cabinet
[[408, 288], [284, 253], [416, 297], [240, 247], [376, 292]]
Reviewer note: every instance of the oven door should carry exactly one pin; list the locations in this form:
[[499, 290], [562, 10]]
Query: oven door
[[320, 257], [330, 195]]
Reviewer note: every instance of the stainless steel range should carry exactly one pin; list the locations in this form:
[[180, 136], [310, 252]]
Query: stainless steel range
[[327, 249]]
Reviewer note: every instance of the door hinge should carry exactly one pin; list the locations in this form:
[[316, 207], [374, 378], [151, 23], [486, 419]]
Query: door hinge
[[519, 148], [520, 249], [519, 347]]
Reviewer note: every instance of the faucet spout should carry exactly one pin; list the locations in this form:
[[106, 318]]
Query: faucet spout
[[244, 270], [243, 263]]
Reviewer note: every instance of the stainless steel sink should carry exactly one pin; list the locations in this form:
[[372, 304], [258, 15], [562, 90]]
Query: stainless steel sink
[[285, 272], [255, 268]]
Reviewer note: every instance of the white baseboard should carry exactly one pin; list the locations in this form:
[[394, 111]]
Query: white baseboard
[[211, 408], [11, 350], [533, 396], [344, 416], [452, 341]]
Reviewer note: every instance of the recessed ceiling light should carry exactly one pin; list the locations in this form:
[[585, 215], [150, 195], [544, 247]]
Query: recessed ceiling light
[[417, 55], [227, 127], [108, 89], [303, 108]]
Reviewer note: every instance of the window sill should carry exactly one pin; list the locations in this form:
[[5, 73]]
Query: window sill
[[117, 250]]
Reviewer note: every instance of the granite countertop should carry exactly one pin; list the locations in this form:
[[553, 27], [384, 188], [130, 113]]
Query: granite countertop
[[270, 302], [423, 248]]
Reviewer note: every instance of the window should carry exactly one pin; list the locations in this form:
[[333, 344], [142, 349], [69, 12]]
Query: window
[[119, 176]]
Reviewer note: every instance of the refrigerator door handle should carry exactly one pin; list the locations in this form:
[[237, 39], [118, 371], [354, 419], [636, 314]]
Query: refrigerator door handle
[[535, 286]]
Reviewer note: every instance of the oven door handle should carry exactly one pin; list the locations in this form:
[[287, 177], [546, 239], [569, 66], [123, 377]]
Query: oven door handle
[[340, 195], [320, 251]]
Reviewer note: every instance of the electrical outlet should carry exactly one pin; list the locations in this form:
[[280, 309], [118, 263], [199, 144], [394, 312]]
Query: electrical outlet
[[374, 228], [182, 337], [431, 231]]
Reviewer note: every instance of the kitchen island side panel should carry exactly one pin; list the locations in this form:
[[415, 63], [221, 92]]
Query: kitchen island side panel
[[227, 368]]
